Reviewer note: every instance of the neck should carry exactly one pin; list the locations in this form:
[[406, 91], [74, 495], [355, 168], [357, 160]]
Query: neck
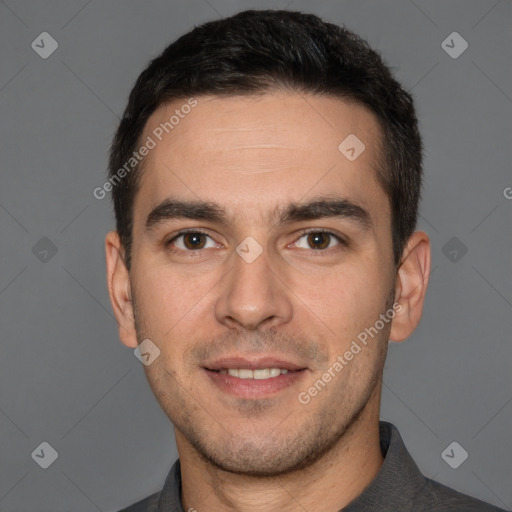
[[328, 485]]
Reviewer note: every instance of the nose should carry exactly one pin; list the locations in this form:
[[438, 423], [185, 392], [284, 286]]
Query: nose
[[252, 296]]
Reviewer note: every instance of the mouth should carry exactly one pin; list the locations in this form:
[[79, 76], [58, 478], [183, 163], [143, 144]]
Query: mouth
[[258, 374], [253, 378]]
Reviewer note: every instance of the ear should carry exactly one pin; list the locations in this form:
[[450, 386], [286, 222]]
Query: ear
[[118, 282], [411, 286]]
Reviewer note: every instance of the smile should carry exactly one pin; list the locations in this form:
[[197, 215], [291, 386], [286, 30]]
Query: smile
[[260, 374]]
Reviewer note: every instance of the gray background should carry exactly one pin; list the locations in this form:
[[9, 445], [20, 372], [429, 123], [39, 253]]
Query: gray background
[[66, 379]]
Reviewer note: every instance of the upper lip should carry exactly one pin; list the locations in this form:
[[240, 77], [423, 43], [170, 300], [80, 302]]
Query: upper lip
[[251, 363]]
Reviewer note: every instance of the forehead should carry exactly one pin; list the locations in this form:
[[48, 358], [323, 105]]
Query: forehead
[[249, 152]]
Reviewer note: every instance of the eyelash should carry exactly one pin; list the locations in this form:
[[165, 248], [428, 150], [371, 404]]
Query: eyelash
[[341, 241]]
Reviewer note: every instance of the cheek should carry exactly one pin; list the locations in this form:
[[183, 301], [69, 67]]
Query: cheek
[[169, 303], [346, 300]]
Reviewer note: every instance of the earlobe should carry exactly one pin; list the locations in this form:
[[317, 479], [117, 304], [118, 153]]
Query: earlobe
[[411, 286], [119, 289]]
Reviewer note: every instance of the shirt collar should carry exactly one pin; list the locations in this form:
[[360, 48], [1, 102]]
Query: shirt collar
[[398, 481], [170, 496], [392, 490]]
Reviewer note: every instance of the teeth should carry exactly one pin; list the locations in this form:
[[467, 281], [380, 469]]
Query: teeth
[[244, 374], [260, 374], [263, 373]]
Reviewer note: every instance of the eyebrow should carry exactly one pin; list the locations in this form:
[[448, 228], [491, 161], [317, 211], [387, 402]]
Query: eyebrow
[[318, 208]]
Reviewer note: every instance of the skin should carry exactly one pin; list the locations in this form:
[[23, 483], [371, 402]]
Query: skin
[[251, 155]]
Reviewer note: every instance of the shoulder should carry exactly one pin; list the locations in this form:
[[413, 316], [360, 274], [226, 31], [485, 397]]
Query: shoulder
[[404, 487], [167, 499], [148, 504], [442, 498]]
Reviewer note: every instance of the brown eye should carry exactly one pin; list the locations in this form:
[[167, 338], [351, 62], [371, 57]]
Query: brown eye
[[194, 240], [191, 241], [319, 240]]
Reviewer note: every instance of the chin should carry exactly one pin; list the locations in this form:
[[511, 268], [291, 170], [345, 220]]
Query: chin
[[252, 464], [266, 457]]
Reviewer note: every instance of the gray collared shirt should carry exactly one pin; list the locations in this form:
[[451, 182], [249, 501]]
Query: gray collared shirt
[[398, 487]]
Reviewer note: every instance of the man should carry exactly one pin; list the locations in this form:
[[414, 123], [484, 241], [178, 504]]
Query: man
[[266, 178]]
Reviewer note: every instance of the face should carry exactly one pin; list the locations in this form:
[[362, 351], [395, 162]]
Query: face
[[285, 260]]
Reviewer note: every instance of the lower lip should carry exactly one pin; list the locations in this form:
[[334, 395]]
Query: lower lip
[[254, 388]]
